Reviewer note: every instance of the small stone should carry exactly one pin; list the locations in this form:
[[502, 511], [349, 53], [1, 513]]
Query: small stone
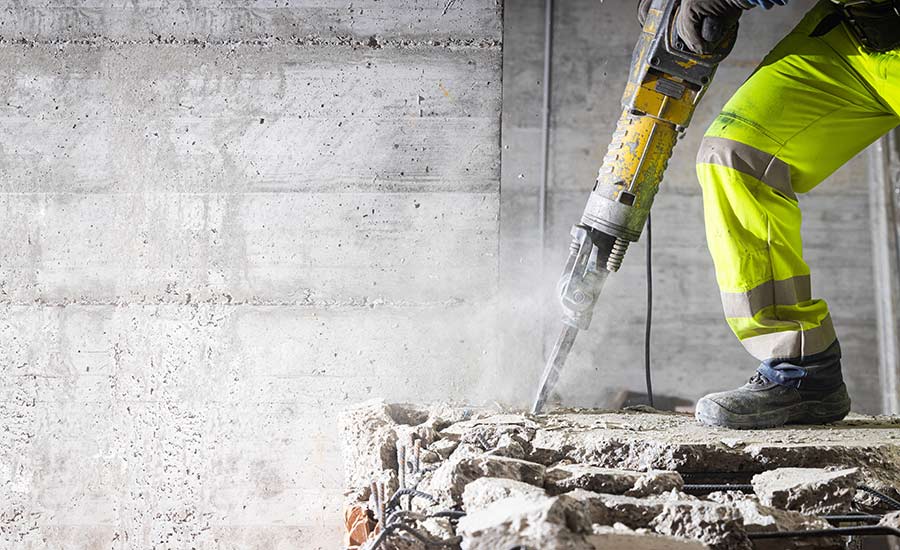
[[813, 491], [485, 491], [443, 448]]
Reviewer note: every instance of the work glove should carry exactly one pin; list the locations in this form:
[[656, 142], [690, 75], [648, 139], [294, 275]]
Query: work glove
[[701, 24]]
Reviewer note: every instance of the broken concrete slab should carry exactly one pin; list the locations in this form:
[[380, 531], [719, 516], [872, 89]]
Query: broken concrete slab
[[371, 430], [718, 526], [483, 492], [609, 510], [814, 491], [620, 537], [759, 518], [451, 478], [550, 523], [368, 441], [486, 459], [492, 426], [668, 441], [567, 477]]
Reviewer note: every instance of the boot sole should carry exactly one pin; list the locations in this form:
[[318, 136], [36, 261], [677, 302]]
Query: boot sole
[[831, 408]]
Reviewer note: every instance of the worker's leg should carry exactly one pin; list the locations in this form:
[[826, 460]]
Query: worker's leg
[[811, 105]]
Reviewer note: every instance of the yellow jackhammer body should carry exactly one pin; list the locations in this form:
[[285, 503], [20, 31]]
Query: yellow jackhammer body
[[665, 83]]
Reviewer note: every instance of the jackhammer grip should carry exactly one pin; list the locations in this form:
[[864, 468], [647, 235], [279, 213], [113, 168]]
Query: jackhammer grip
[[714, 30]]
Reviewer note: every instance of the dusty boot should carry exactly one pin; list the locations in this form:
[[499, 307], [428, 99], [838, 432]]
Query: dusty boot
[[799, 392]]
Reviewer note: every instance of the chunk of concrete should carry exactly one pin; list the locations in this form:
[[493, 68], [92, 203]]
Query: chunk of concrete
[[368, 442], [609, 510], [564, 478], [550, 523], [451, 478], [891, 520], [758, 518], [720, 527], [503, 434], [617, 537], [807, 490], [511, 445], [485, 491], [635, 440], [443, 448]]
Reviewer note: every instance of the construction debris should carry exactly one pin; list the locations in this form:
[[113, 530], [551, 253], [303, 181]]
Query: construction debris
[[566, 477], [807, 490], [458, 477]]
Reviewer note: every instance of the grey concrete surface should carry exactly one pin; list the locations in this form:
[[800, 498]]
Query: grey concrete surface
[[223, 222], [693, 350]]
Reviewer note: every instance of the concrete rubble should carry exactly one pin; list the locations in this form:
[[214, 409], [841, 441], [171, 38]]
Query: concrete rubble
[[479, 478], [807, 490]]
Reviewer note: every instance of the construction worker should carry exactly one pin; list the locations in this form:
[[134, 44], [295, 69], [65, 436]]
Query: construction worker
[[825, 92]]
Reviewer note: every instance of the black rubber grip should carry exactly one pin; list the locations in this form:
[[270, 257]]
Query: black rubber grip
[[714, 30]]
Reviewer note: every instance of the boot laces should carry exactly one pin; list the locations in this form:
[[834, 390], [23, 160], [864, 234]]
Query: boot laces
[[758, 380]]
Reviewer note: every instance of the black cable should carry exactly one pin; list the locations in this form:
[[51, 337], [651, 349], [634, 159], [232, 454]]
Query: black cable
[[649, 313], [862, 531], [713, 487], [395, 500], [852, 518]]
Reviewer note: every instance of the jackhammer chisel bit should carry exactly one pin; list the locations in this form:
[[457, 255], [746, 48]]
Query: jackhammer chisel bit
[[665, 83]]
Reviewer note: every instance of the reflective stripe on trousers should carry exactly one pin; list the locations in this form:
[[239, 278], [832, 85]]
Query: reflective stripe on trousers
[[811, 105]]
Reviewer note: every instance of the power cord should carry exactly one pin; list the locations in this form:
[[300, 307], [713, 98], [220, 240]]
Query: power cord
[[649, 312]]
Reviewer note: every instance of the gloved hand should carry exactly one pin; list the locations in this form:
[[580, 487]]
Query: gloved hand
[[723, 15]]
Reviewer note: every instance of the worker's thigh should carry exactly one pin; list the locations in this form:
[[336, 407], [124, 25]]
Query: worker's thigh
[[814, 103], [811, 105]]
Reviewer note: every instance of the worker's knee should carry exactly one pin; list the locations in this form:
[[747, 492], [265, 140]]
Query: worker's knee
[[714, 152], [723, 160]]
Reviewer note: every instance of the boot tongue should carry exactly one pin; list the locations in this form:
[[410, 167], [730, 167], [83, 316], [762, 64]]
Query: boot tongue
[[784, 374]]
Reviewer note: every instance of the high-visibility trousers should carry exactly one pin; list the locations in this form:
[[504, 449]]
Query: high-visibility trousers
[[812, 104]]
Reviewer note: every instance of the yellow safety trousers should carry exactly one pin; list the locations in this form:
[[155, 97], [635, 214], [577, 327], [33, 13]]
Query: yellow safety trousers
[[809, 107]]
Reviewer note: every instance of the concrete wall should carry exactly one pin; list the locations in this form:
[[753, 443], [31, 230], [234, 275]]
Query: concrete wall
[[693, 350], [222, 223]]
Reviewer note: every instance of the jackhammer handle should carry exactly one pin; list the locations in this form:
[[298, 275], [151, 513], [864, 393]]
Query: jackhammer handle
[[714, 30]]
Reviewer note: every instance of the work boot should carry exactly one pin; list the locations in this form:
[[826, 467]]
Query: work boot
[[811, 391]]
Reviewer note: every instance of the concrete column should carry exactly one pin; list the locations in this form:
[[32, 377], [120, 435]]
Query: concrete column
[[884, 205]]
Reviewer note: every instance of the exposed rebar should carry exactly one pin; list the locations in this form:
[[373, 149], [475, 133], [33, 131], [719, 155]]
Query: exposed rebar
[[880, 496], [401, 463], [395, 500], [425, 539], [862, 531], [852, 518]]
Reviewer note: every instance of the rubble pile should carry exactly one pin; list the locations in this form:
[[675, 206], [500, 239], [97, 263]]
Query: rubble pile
[[474, 478]]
